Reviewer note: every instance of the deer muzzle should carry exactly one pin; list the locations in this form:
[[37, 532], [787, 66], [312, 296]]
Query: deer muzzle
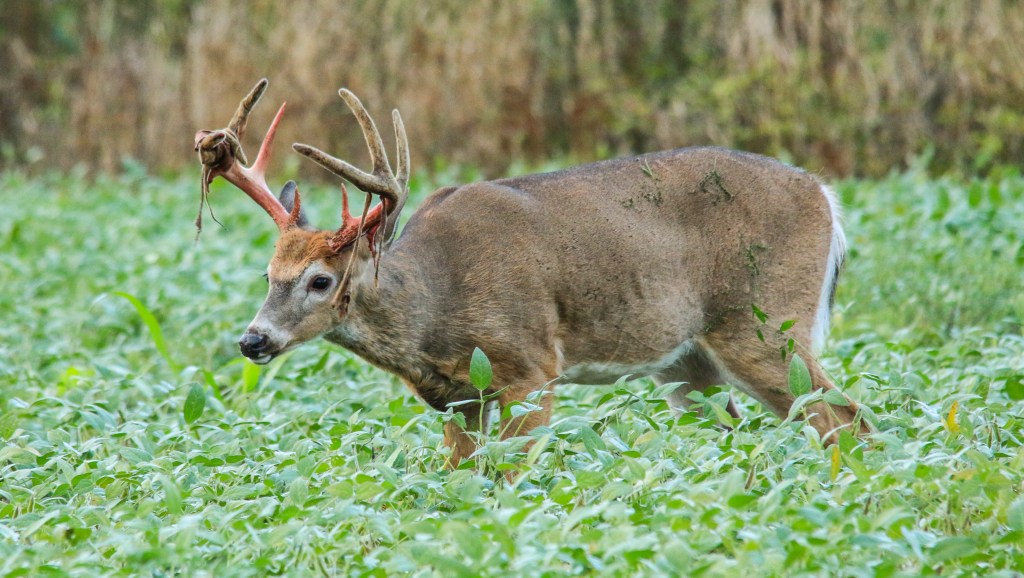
[[256, 346]]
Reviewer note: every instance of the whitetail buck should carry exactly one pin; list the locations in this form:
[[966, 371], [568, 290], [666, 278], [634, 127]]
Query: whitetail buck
[[649, 265]]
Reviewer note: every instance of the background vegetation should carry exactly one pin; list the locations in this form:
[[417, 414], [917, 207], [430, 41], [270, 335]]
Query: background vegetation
[[134, 440], [838, 86]]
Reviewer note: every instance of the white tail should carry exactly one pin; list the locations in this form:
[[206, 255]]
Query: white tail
[[836, 255], [700, 266]]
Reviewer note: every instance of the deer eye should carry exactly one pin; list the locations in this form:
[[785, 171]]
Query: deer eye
[[320, 283]]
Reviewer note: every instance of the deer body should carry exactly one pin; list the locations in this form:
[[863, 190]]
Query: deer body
[[645, 266]]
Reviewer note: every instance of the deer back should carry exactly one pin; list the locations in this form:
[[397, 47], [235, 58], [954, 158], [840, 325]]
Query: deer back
[[615, 261]]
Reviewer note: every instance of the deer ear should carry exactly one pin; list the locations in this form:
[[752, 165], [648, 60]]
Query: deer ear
[[287, 198]]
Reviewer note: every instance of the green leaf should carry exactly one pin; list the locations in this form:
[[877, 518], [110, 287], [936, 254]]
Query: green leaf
[[250, 375], [718, 404], [135, 455], [211, 380], [847, 442], [444, 565], [591, 440], [954, 547], [836, 397], [802, 402], [740, 501], [761, 315], [480, 372], [995, 194], [9, 424], [468, 540], [1015, 515], [194, 403], [1014, 387], [587, 479], [154, 329], [786, 325], [799, 377], [974, 194], [172, 495], [858, 468], [298, 491]]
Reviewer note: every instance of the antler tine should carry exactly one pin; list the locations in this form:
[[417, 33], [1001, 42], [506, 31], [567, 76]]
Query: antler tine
[[382, 181], [403, 149], [259, 167], [378, 157], [346, 216], [364, 181], [241, 116]]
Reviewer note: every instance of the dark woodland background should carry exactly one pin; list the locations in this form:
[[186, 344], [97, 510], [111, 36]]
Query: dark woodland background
[[841, 87]]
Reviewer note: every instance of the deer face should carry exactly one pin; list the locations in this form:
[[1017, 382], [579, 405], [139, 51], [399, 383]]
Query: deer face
[[310, 270], [300, 306]]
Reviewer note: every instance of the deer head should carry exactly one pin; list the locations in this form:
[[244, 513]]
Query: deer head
[[311, 272]]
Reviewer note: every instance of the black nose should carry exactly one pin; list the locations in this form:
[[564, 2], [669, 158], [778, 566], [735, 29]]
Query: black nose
[[252, 344]]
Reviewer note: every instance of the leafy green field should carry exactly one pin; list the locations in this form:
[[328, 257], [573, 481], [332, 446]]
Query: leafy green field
[[320, 465]]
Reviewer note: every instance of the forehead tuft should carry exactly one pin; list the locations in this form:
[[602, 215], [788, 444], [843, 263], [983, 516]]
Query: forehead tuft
[[296, 249]]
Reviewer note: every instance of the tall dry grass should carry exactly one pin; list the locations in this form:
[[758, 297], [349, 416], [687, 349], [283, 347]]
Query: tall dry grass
[[840, 86]]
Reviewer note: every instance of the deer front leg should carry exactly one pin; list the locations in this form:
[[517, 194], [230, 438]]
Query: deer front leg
[[525, 423], [461, 439], [515, 424]]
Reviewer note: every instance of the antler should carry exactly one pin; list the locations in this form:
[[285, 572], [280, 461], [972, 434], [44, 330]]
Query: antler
[[220, 152], [392, 188], [352, 227]]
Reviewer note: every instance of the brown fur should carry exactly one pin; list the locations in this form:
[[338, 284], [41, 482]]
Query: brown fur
[[296, 249], [611, 265]]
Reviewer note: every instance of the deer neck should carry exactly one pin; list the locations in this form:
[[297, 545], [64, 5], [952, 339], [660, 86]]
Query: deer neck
[[382, 320]]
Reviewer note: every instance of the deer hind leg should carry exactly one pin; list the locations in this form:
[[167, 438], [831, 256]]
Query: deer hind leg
[[696, 372], [757, 369]]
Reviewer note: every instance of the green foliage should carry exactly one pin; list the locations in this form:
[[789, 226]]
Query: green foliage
[[799, 377], [154, 328], [194, 403], [480, 373], [114, 461], [934, 257]]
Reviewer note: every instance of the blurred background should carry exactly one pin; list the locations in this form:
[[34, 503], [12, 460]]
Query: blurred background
[[840, 87]]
